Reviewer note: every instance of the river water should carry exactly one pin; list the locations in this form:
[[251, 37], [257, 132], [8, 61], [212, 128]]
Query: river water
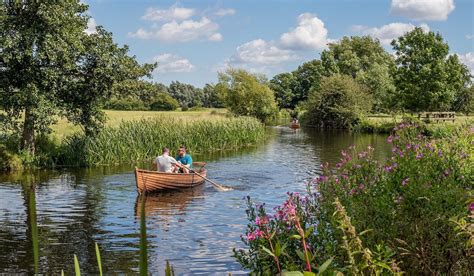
[[46, 217]]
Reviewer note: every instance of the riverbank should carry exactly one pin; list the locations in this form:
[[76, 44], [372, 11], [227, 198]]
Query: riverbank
[[132, 136]]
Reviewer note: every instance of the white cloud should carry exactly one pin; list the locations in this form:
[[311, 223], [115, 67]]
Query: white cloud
[[470, 36], [261, 52], [389, 32], [436, 10], [468, 60], [224, 12], [309, 34], [187, 30], [173, 13], [91, 26], [172, 63]]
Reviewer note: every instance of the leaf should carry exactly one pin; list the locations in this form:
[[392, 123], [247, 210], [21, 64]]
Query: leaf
[[383, 265], [301, 255], [291, 273], [308, 273], [298, 237], [308, 231], [278, 249], [325, 265], [77, 269], [365, 232], [268, 251], [99, 261]]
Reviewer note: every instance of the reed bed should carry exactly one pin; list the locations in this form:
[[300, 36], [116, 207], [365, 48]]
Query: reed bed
[[134, 141]]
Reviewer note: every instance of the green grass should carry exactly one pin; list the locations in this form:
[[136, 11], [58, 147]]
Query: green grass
[[64, 128], [134, 141]]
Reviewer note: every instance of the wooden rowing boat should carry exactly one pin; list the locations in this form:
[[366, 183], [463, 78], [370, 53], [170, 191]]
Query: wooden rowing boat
[[153, 181], [294, 125]]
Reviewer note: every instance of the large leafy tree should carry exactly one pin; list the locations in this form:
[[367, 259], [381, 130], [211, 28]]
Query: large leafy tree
[[186, 94], [364, 59], [339, 102], [50, 67], [246, 94], [427, 76], [284, 86], [308, 75]]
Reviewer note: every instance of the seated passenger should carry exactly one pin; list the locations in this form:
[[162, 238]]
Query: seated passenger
[[164, 162], [184, 159]]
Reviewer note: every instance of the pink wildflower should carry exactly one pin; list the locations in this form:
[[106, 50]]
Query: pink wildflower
[[251, 236], [405, 181]]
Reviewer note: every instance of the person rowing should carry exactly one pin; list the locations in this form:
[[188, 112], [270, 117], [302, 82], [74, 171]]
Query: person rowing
[[164, 162], [184, 159]]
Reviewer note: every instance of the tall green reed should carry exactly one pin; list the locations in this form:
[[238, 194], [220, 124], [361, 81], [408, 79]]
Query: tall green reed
[[134, 141]]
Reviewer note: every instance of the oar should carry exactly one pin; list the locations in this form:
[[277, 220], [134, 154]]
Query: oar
[[220, 187]]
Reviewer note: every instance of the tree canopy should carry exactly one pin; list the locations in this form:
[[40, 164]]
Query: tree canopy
[[50, 67], [427, 76], [364, 59], [245, 95]]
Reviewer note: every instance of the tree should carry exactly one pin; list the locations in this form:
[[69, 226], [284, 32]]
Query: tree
[[186, 94], [339, 102], [210, 96], [50, 67], [365, 60], [245, 95], [464, 101], [307, 75], [164, 102], [427, 77], [284, 85]]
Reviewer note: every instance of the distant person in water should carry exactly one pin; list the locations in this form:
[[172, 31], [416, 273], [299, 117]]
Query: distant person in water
[[164, 162], [184, 160]]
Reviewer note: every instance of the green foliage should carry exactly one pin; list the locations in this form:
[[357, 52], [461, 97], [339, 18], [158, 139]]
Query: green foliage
[[135, 141], [308, 76], [284, 85], [409, 199], [464, 101], [364, 59], [340, 102], [427, 77], [186, 94], [50, 67], [211, 97], [9, 161], [164, 102], [125, 104], [245, 95]]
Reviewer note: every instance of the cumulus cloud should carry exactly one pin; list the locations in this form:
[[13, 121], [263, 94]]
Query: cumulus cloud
[[389, 32], [470, 36], [168, 63], [259, 51], [436, 10], [224, 12], [468, 60], [91, 26], [173, 13], [308, 35], [184, 31]]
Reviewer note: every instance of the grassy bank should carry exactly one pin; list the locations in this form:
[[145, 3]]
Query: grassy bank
[[132, 136], [133, 141], [385, 123]]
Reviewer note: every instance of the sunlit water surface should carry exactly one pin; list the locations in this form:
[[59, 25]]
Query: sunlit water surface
[[48, 216]]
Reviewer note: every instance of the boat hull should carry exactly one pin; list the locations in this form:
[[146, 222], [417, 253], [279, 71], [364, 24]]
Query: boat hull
[[294, 125], [153, 181]]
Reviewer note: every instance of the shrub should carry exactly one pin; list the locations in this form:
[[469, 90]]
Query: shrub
[[340, 102], [416, 207], [164, 102], [9, 161], [125, 104], [409, 199]]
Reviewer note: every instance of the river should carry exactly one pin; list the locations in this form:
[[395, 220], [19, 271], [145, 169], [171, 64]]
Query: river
[[48, 216]]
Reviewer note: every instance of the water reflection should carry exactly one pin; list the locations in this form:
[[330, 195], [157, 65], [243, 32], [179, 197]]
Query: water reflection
[[47, 216]]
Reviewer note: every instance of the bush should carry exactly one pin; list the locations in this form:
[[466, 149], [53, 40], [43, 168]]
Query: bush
[[340, 102], [125, 104], [164, 102], [246, 95], [417, 208], [9, 161]]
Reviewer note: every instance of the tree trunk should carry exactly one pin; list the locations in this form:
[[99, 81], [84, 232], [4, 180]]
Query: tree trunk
[[28, 139]]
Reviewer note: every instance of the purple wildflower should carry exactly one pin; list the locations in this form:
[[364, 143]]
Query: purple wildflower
[[405, 181], [419, 155]]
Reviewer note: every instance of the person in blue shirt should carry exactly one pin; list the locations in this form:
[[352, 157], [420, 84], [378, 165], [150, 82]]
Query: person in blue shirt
[[184, 159]]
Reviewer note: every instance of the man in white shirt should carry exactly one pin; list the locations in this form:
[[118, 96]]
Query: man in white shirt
[[164, 162]]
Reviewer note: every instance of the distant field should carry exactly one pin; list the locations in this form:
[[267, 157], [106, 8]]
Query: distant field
[[114, 117]]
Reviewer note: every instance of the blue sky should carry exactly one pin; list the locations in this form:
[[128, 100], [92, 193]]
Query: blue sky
[[193, 40]]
